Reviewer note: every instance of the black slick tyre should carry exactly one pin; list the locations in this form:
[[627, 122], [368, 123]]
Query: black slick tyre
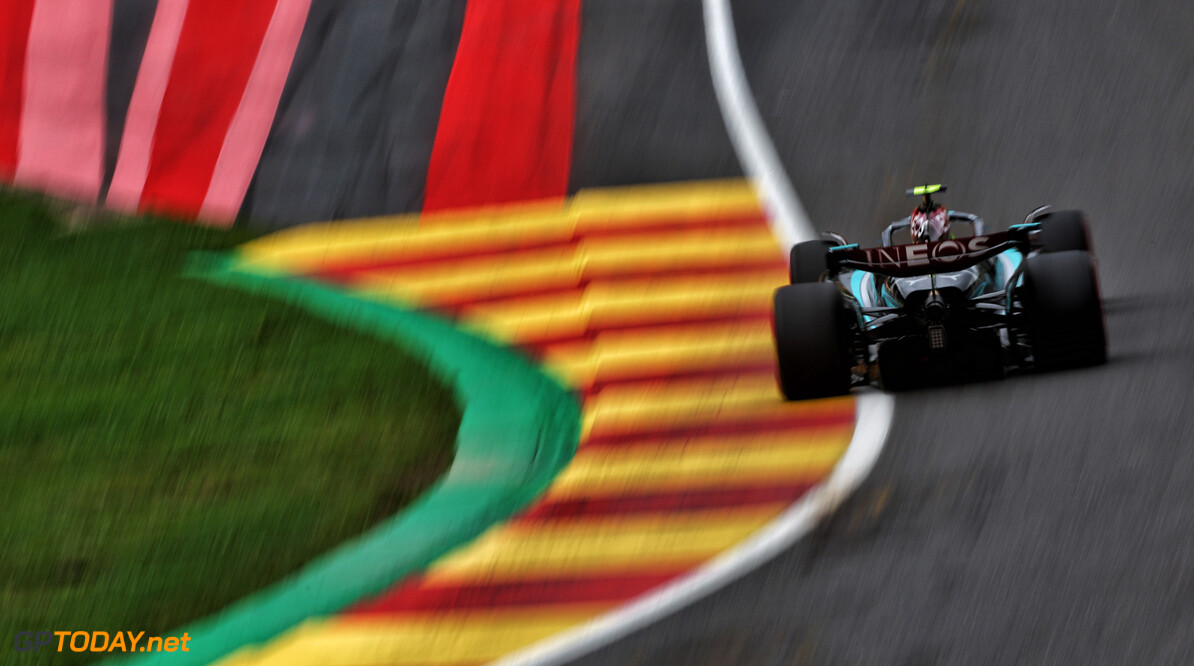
[[1063, 311], [1064, 231], [812, 341], [808, 261]]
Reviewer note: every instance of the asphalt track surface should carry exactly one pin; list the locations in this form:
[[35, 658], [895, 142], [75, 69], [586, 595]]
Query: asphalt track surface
[[357, 119], [646, 110], [1040, 519]]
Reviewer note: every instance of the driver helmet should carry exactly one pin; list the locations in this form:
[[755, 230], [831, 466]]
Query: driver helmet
[[930, 225]]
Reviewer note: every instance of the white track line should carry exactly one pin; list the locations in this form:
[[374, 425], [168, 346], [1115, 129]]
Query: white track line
[[755, 151], [873, 410]]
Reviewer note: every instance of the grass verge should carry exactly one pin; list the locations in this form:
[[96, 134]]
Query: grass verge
[[170, 446]]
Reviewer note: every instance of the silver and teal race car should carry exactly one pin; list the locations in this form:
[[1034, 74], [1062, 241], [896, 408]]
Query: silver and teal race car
[[954, 304]]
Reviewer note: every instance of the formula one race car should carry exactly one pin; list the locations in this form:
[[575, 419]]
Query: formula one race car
[[946, 307]]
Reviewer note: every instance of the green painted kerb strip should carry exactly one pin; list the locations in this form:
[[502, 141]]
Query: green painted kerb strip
[[518, 429]]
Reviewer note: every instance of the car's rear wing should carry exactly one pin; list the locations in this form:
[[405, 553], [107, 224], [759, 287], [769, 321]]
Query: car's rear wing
[[924, 258]]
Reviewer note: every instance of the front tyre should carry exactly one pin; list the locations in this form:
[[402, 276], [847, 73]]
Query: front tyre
[[1063, 311], [812, 341]]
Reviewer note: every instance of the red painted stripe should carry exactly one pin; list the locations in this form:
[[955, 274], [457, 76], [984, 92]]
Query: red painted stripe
[[713, 220], [590, 389], [16, 17], [63, 122], [255, 116], [720, 425], [688, 500], [671, 376], [668, 371], [727, 272], [505, 129], [136, 143], [503, 247], [345, 270], [679, 323], [770, 431], [216, 53], [417, 596]]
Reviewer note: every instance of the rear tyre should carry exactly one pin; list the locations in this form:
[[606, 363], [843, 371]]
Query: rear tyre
[[812, 341], [1065, 231], [1063, 311], [808, 261]]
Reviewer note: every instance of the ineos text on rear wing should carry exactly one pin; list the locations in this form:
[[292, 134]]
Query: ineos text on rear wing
[[924, 258]]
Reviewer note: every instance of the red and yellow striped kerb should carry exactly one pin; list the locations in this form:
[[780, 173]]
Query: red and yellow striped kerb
[[653, 302]]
